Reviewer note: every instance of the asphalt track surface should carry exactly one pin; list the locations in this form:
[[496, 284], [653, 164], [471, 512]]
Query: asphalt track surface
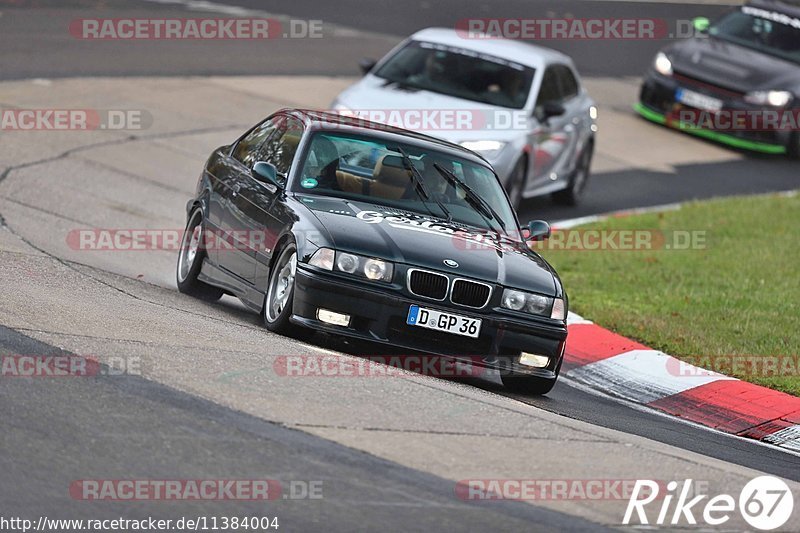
[[75, 435], [103, 428]]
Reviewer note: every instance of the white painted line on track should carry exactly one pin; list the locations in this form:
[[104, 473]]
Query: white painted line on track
[[566, 380], [787, 438], [642, 376]]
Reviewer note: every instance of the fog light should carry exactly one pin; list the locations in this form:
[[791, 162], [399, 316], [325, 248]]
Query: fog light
[[536, 361], [331, 317]]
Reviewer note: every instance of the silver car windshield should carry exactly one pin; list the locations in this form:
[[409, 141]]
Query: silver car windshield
[[458, 72], [374, 171], [769, 32]]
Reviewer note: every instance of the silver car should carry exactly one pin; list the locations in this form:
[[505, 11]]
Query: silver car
[[522, 107]]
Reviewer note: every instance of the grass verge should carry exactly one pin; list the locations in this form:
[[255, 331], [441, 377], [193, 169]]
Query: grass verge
[[731, 304]]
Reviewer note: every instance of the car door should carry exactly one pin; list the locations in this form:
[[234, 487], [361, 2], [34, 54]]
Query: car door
[[234, 254], [554, 132], [254, 213], [574, 115]]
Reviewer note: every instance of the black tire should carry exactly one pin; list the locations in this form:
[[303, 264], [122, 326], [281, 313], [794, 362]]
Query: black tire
[[276, 320], [793, 148], [190, 260], [580, 178], [516, 184]]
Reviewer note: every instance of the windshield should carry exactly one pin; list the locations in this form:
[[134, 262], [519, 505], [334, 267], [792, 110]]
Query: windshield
[[375, 171], [460, 73], [770, 32]]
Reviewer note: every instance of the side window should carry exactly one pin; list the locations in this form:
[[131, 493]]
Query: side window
[[246, 149], [569, 85], [280, 148], [550, 91]]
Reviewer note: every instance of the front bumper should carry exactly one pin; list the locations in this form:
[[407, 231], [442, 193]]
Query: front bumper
[[657, 103], [379, 315]]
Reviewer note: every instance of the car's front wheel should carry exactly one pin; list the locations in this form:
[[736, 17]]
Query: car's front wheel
[[190, 261], [280, 294], [580, 178]]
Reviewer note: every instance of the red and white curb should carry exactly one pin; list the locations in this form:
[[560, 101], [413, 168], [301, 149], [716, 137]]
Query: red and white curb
[[602, 360]]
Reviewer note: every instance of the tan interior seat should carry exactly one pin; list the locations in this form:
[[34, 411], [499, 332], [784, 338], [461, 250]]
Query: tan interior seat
[[352, 183], [391, 179]]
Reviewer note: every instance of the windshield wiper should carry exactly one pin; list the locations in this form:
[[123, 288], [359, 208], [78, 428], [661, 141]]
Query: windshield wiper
[[419, 185], [478, 203]]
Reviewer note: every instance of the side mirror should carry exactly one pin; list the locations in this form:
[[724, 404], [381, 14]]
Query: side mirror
[[553, 109], [538, 230], [266, 173], [701, 24], [367, 64]]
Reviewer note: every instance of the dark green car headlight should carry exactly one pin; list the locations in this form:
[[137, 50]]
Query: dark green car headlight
[[370, 268], [535, 304]]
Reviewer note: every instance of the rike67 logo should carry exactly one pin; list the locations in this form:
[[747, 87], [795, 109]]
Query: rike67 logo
[[765, 503]]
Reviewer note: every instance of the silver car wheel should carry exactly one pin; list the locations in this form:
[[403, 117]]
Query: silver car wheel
[[280, 287]]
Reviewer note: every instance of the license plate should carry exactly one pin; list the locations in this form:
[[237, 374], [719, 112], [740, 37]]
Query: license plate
[[447, 322], [700, 101]]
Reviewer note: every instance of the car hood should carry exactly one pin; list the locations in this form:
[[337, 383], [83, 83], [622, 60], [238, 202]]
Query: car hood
[[371, 98], [729, 65], [402, 237]]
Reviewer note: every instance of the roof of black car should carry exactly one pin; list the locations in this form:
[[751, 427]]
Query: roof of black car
[[309, 116], [790, 7]]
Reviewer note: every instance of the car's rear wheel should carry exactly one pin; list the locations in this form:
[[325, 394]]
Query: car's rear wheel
[[190, 261], [580, 178], [516, 184], [280, 294], [793, 149]]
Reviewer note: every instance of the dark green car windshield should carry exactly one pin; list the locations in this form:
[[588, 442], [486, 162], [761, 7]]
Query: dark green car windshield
[[770, 32], [369, 169]]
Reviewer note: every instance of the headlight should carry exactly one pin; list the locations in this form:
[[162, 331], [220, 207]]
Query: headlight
[[323, 258], [377, 270], [488, 149], [773, 98], [662, 64], [535, 304], [346, 262], [357, 265]]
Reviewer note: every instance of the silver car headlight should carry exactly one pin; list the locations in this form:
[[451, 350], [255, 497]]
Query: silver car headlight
[[535, 304], [488, 149], [370, 268], [773, 98], [662, 64]]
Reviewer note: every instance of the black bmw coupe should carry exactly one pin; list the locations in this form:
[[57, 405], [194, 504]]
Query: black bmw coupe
[[330, 223]]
